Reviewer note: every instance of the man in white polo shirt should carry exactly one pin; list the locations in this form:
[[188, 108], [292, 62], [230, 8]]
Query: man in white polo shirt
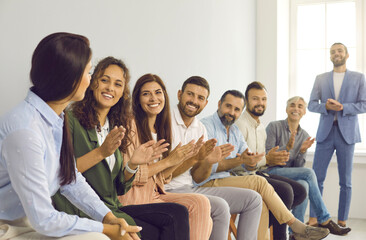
[[247, 203]]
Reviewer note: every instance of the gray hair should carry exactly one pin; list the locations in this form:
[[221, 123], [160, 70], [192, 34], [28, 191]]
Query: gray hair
[[295, 99]]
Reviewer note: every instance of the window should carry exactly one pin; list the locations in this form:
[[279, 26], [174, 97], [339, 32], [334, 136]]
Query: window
[[315, 26]]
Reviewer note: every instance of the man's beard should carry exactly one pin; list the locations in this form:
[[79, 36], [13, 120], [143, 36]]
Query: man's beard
[[225, 121], [182, 108], [339, 63], [258, 114]]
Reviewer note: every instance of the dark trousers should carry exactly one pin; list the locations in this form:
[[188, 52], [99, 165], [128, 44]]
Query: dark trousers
[[292, 194], [160, 221]]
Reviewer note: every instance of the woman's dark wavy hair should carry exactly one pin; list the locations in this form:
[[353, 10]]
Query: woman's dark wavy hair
[[58, 64], [119, 114], [163, 122]]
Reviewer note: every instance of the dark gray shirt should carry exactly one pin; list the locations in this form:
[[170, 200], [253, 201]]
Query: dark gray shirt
[[278, 134]]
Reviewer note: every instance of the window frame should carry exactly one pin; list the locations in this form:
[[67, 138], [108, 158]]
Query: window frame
[[360, 52]]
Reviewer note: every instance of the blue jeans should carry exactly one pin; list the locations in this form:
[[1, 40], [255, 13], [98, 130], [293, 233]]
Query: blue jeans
[[299, 211], [307, 177], [323, 154]]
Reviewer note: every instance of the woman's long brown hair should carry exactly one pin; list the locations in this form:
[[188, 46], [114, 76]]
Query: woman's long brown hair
[[119, 114], [163, 119], [58, 64]]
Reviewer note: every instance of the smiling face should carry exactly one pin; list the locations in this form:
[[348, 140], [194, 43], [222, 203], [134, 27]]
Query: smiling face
[[338, 55], [193, 100], [152, 98], [257, 102], [108, 89], [295, 110], [230, 109]]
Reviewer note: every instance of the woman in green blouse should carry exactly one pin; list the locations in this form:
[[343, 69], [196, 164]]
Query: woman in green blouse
[[99, 127]]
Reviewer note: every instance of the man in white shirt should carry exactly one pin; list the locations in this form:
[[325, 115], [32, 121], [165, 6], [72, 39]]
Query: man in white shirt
[[224, 200]]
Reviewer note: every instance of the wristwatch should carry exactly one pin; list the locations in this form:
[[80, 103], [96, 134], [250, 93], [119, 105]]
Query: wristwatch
[[128, 169]]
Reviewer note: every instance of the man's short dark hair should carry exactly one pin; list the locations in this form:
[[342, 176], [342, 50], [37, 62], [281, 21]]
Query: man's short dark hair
[[197, 80], [235, 93], [256, 85], [338, 43]]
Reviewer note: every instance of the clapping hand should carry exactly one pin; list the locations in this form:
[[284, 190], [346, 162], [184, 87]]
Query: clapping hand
[[306, 144], [250, 159], [181, 153], [159, 148], [275, 158], [207, 148], [291, 141], [142, 154], [219, 153], [198, 146], [112, 141]]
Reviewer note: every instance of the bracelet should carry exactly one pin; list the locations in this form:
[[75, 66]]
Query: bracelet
[[128, 169]]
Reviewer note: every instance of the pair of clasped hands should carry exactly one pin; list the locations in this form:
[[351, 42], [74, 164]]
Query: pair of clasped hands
[[334, 105]]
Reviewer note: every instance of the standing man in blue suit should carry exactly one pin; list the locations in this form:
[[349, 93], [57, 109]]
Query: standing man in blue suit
[[338, 96]]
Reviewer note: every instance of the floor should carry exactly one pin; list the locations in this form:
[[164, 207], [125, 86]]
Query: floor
[[358, 232]]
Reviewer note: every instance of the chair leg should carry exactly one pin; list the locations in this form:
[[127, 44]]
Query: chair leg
[[271, 232], [232, 227]]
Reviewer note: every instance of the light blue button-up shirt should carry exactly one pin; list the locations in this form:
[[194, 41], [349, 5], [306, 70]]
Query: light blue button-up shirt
[[215, 129], [30, 143]]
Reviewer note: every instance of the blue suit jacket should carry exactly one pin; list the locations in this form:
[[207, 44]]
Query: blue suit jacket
[[353, 97]]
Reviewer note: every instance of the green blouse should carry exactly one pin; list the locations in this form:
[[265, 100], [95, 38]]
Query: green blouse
[[108, 185]]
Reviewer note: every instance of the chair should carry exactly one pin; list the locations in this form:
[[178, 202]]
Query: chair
[[232, 228]]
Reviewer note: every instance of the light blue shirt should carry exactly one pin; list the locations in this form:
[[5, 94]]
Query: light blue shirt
[[215, 129], [30, 143]]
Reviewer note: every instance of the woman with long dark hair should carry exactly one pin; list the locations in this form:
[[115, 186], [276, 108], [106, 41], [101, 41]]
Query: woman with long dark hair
[[100, 126], [37, 156], [150, 104]]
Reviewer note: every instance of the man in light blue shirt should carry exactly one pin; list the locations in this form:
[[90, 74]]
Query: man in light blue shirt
[[215, 129]]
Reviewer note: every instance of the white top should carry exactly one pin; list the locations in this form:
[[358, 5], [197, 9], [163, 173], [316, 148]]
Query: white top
[[183, 134], [155, 138], [337, 81], [254, 134], [111, 160]]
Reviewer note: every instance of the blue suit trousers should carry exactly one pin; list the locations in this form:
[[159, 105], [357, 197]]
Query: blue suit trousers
[[344, 152]]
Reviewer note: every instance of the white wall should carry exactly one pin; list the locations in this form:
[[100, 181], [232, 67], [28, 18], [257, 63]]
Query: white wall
[[174, 39], [229, 44], [272, 63]]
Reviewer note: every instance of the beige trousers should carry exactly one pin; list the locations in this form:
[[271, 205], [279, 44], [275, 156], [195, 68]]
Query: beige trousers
[[20, 229], [271, 201]]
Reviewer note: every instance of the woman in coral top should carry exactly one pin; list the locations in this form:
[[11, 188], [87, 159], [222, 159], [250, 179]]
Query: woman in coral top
[[150, 104]]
